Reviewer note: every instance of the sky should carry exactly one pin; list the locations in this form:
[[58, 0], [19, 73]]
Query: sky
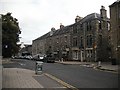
[[37, 17]]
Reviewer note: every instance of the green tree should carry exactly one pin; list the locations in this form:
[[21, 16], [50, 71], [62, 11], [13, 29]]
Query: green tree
[[10, 35]]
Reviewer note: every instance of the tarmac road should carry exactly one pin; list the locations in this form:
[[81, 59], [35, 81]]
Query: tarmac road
[[75, 75]]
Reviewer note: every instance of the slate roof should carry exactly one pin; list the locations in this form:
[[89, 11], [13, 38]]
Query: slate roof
[[66, 29], [43, 37], [91, 17], [116, 2], [61, 31], [55, 33]]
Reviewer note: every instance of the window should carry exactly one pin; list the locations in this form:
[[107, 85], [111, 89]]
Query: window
[[89, 53], [89, 27], [66, 46], [89, 40], [65, 38], [75, 29], [81, 27], [75, 41], [78, 27], [81, 42], [108, 24], [57, 39], [50, 47], [100, 26]]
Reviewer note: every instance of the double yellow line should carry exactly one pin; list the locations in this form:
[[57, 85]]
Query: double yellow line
[[61, 82]]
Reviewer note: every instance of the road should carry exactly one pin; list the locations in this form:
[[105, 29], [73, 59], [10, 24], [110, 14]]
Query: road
[[75, 75]]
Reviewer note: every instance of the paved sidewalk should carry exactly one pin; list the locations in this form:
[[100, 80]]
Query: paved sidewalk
[[104, 65], [19, 78]]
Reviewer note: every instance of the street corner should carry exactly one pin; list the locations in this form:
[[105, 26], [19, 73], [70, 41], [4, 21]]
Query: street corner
[[101, 68]]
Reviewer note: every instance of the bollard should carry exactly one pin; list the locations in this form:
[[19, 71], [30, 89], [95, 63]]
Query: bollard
[[62, 59], [99, 63]]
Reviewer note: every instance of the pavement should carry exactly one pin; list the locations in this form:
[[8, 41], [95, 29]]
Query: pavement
[[19, 78], [24, 78], [106, 66]]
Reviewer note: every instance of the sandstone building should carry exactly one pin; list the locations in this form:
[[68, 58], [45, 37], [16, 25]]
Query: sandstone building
[[115, 30], [85, 40]]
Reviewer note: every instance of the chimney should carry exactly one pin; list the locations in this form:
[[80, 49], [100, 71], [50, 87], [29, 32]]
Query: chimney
[[78, 18], [61, 26], [103, 12], [53, 29]]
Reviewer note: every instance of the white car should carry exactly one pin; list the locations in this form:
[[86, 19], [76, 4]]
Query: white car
[[38, 57]]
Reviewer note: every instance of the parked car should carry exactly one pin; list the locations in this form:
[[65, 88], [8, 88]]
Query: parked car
[[38, 57], [49, 59], [29, 57]]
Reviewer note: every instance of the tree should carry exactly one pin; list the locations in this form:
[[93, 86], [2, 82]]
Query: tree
[[10, 35]]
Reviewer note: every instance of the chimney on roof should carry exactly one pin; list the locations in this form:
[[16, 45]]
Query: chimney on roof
[[53, 29], [78, 18], [61, 26], [103, 12]]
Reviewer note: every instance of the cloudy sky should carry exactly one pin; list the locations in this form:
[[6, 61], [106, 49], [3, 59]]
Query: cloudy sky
[[37, 17]]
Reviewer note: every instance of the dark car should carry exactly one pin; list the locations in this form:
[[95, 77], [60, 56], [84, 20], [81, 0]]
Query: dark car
[[49, 59]]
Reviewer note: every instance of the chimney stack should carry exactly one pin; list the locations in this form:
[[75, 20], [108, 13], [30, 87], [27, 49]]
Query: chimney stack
[[103, 12], [61, 26], [78, 18], [53, 29]]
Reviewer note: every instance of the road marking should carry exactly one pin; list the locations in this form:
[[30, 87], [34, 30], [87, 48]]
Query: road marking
[[61, 82]]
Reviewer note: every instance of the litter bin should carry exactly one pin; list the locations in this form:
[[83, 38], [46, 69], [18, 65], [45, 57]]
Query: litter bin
[[38, 67]]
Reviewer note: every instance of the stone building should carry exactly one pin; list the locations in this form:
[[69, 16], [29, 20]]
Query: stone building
[[39, 45], [115, 29], [90, 37], [55, 43], [85, 40], [26, 50]]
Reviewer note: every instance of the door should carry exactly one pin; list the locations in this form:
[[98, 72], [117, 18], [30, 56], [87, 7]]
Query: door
[[82, 56], [75, 55]]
